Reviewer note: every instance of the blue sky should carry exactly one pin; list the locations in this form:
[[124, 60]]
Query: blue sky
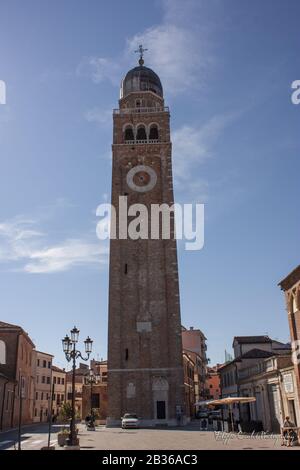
[[227, 68]]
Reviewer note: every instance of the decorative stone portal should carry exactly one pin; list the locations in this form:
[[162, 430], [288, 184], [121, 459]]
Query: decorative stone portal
[[160, 391]]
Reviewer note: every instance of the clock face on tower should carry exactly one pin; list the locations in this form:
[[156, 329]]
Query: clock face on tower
[[141, 178]]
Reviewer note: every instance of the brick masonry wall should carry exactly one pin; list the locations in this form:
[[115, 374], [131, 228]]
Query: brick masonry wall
[[149, 291], [101, 390]]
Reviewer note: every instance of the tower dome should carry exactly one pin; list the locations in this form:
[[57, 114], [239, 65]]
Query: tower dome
[[141, 78]]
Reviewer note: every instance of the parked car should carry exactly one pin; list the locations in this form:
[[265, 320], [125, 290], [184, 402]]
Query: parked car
[[130, 420]]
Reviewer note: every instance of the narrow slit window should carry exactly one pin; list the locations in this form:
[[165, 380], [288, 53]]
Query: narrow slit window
[[126, 268], [126, 354]]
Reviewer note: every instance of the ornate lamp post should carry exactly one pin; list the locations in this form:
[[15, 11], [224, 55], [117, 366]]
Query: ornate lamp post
[[91, 380], [71, 353]]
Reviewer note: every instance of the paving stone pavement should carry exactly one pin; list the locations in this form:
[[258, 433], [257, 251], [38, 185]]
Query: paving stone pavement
[[188, 438]]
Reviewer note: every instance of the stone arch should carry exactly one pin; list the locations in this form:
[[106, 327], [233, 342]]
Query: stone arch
[[128, 132], [141, 133], [153, 131], [160, 383]]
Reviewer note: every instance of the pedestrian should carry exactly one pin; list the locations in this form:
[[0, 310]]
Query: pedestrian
[[288, 432]]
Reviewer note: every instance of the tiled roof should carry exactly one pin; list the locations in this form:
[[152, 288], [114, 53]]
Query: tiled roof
[[254, 353], [252, 339], [57, 369], [290, 279], [8, 325], [257, 353], [5, 325]]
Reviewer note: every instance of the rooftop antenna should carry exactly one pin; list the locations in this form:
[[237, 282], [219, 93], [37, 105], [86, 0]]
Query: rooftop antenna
[[141, 51]]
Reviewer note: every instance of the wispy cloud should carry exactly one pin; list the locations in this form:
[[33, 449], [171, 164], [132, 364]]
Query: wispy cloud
[[174, 55], [99, 69], [194, 145], [179, 54], [62, 257], [22, 244], [99, 116]]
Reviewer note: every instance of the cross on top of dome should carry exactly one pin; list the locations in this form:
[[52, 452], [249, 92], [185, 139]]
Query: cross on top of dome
[[141, 51]]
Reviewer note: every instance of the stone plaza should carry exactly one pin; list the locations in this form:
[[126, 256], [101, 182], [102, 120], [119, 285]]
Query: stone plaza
[[110, 439]]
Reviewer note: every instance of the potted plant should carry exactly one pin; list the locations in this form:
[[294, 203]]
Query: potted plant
[[65, 415], [62, 437]]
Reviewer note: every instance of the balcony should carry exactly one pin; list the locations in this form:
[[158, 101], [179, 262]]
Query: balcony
[[137, 142], [162, 109]]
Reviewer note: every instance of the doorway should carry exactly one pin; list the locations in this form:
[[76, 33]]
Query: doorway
[[292, 412], [161, 409]]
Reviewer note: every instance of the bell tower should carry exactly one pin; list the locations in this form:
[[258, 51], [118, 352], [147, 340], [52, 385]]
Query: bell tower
[[145, 373]]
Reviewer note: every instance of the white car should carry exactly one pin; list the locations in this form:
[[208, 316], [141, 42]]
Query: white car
[[130, 420]]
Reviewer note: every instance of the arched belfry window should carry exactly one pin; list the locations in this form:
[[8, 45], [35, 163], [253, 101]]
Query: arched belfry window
[[153, 135], [128, 134], [2, 352], [141, 133]]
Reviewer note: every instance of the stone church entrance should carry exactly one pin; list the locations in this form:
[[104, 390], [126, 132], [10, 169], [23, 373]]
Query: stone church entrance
[[160, 390]]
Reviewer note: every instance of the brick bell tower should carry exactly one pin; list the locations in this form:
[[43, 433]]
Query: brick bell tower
[[145, 373]]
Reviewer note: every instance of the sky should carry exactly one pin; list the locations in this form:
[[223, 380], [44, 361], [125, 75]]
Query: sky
[[226, 69]]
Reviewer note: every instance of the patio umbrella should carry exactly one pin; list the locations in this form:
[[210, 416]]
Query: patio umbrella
[[230, 401], [203, 402]]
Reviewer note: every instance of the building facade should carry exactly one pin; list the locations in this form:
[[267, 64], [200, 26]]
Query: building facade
[[80, 375], [42, 389], [189, 384], [7, 391], [250, 352], [99, 369], [272, 382], [26, 376], [194, 344], [95, 398], [213, 383], [59, 385], [145, 370], [291, 288], [16, 376]]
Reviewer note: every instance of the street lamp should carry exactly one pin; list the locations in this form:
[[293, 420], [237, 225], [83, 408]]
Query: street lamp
[[91, 380], [71, 353], [74, 334]]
